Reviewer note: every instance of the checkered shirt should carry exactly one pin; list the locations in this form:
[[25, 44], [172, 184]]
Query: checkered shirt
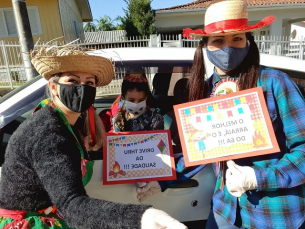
[[279, 201]]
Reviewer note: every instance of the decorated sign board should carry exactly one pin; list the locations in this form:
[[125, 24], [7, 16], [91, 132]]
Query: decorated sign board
[[225, 127], [131, 157]]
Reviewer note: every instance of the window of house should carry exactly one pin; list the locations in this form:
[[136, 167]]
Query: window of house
[[8, 26], [76, 32]]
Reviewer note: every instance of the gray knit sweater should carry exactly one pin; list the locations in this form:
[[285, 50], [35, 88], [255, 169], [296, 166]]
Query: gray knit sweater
[[42, 168]]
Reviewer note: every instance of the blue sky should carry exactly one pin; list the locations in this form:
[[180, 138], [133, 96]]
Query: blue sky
[[114, 8]]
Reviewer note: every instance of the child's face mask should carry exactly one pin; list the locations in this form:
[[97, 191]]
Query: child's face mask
[[135, 108]]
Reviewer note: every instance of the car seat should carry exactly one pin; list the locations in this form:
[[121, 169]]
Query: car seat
[[185, 175], [160, 84], [181, 92]]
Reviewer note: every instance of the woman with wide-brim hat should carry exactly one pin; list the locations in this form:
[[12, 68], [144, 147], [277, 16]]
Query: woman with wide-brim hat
[[46, 162], [263, 191]]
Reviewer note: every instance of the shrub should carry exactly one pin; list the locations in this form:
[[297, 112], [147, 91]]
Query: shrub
[[15, 75]]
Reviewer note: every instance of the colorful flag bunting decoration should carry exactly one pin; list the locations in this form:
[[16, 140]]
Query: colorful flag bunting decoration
[[113, 142]]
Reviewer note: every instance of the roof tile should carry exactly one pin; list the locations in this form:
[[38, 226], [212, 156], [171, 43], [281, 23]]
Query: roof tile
[[206, 3]]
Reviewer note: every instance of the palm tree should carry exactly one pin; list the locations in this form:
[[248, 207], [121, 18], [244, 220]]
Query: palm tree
[[90, 27], [105, 24]]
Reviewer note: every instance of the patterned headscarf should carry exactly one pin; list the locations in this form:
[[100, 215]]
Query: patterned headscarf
[[135, 78]]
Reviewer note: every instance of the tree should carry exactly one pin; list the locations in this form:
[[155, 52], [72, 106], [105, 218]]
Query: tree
[[139, 16], [90, 27], [128, 26], [105, 24]]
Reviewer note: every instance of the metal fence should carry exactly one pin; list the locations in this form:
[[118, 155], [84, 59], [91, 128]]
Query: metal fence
[[114, 87], [282, 46], [12, 73]]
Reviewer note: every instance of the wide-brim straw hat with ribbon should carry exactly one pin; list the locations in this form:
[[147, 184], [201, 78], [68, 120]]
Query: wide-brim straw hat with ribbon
[[226, 17], [59, 59]]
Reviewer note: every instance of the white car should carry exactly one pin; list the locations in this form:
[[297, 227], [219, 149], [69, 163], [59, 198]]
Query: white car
[[189, 202]]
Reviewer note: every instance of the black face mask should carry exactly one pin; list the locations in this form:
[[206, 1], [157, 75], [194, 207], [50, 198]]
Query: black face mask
[[77, 98]]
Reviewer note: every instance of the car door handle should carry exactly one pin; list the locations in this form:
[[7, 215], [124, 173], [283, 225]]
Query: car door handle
[[191, 183]]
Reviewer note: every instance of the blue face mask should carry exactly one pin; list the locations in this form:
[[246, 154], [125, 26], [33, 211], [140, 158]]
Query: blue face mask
[[228, 58]]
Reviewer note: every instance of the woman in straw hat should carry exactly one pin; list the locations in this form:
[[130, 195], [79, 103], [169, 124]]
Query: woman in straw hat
[[263, 191], [46, 163]]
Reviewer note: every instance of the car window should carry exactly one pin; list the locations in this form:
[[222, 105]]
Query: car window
[[18, 89], [7, 131], [15, 115]]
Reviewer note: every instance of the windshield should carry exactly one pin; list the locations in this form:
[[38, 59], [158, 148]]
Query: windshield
[[22, 108], [20, 88]]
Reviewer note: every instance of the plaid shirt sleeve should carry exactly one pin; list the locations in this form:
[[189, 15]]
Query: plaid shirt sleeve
[[286, 106]]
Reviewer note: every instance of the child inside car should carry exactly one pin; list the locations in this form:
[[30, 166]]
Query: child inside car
[[134, 115]]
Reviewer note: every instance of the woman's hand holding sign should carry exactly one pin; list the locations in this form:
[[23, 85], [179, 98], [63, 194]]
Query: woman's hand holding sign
[[240, 179], [156, 219]]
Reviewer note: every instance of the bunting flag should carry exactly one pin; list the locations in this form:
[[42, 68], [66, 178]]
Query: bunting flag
[[198, 119], [237, 101], [240, 111], [114, 142], [224, 105], [219, 116], [230, 114], [243, 100], [193, 111], [229, 104], [216, 107]]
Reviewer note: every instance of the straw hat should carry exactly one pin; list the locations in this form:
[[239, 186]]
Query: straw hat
[[226, 17], [57, 59]]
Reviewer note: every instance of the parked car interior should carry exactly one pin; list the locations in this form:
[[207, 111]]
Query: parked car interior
[[169, 87]]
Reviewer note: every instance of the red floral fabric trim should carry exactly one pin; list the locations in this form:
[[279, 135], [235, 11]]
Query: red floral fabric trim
[[135, 78], [17, 224], [229, 26]]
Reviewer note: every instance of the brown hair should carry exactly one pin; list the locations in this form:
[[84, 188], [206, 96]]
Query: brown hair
[[99, 127], [247, 71]]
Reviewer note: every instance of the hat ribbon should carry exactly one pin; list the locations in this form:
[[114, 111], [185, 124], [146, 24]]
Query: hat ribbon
[[233, 24]]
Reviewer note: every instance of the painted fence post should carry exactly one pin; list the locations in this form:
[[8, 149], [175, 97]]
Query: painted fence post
[[5, 56], [180, 40], [152, 40], [159, 44], [301, 53]]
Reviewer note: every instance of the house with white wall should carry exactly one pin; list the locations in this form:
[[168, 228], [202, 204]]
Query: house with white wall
[[298, 30], [288, 13]]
